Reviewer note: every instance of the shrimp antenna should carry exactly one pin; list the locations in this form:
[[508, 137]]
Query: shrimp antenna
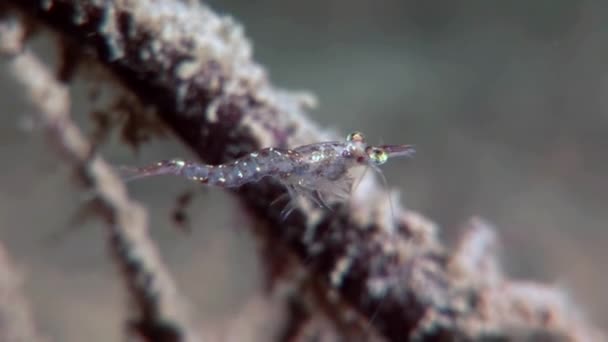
[[398, 150], [390, 203], [388, 192], [380, 155]]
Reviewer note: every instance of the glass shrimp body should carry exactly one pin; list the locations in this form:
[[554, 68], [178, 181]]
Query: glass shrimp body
[[318, 171]]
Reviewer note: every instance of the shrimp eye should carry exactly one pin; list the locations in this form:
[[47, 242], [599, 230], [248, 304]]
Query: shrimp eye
[[355, 137], [377, 155]]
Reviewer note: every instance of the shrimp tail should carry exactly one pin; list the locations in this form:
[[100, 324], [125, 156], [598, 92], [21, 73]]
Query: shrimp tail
[[175, 167], [234, 174]]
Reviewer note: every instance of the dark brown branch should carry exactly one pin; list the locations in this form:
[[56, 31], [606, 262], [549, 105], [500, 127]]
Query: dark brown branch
[[160, 315], [195, 69]]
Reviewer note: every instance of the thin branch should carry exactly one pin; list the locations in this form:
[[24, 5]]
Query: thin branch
[[195, 69], [16, 322], [160, 315]]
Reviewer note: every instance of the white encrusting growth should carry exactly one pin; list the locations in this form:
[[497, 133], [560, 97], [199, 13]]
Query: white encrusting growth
[[340, 269]]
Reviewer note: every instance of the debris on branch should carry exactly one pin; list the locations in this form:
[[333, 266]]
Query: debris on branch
[[159, 311], [370, 269]]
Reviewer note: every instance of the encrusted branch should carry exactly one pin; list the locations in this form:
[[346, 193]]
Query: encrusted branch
[[367, 267], [160, 315]]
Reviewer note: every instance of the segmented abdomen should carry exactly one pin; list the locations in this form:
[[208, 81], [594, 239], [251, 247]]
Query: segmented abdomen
[[250, 168]]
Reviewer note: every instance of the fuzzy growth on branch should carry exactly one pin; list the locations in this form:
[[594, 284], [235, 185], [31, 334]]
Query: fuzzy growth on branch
[[159, 313], [367, 269]]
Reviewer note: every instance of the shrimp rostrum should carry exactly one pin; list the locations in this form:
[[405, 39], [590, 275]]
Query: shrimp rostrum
[[320, 172]]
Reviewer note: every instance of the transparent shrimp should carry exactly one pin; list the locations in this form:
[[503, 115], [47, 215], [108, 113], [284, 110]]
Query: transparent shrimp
[[319, 172]]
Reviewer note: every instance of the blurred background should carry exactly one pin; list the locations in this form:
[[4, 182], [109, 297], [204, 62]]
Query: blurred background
[[505, 102]]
